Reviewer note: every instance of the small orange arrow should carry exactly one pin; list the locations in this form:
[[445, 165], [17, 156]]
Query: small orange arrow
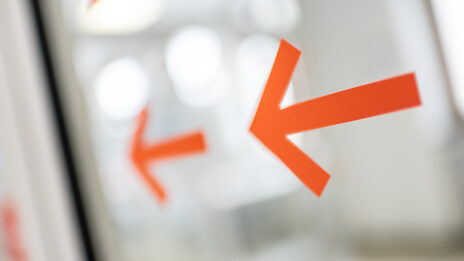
[[142, 154], [271, 125]]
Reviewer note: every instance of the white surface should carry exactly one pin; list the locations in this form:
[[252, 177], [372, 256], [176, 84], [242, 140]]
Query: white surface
[[34, 165]]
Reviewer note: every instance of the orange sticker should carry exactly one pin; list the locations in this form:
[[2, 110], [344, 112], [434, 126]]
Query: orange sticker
[[92, 2], [271, 125], [142, 154], [10, 226]]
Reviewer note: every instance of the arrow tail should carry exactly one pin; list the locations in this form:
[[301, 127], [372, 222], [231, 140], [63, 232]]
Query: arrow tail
[[364, 101]]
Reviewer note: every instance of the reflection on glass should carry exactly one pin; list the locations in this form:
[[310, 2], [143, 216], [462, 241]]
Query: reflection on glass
[[203, 65]]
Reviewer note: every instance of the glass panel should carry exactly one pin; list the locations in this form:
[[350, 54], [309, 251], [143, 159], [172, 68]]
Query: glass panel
[[201, 66]]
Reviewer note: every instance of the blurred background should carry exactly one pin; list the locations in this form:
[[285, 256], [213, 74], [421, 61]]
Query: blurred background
[[75, 75]]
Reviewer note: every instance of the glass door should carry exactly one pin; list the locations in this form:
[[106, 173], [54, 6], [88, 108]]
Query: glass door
[[157, 98]]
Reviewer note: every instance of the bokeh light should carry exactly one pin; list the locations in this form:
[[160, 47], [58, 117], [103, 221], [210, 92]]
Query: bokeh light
[[194, 63], [255, 58], [118, 16], [122, 89]]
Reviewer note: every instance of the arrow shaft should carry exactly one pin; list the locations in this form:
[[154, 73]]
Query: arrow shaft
[[364, 101], [175, 147]]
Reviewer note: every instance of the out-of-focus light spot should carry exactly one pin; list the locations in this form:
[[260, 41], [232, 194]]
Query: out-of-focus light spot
[[450, 20], [194, 63], [255, 58], [122, 89], [264, 180], [276, 16], [118, 16]]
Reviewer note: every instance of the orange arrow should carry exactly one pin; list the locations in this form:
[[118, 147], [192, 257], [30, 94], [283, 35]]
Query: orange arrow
[[12, 236], [91, 3], [142, 154], [271, 124]]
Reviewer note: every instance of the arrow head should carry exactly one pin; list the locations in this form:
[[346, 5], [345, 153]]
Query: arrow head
[[268, 125], [142, 154], [140, 160], [266, 121]]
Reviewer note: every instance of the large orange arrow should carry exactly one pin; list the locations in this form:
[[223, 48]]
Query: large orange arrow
[[142, 154], [271, 124]]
